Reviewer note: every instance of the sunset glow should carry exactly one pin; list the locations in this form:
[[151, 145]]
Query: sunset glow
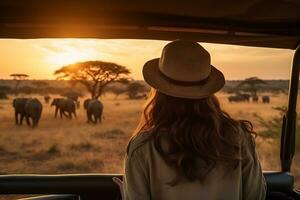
[[41, 57], [66, 58]]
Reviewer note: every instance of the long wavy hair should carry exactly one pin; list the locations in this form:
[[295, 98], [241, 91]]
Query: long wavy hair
[[188, 130]]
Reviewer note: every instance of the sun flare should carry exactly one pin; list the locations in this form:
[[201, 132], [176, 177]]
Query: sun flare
[[65, 58]]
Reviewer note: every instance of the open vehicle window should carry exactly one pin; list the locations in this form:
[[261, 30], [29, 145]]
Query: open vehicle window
[[256, 90]]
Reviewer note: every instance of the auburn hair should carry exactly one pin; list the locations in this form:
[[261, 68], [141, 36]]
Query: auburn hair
[[188, 130]]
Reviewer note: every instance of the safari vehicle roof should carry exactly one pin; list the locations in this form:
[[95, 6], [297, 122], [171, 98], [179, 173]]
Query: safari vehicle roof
[[262, 23]]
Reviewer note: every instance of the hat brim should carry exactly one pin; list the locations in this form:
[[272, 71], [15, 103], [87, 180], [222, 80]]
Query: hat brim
[[155, 79]]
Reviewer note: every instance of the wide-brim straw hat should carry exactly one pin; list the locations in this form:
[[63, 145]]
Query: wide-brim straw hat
[[184, 70]]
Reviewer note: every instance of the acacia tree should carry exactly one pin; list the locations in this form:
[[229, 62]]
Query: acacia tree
[[252, 84], [94, 75], [18, 78]]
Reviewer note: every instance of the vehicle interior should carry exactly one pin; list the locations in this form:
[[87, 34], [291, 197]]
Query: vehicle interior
[[254, 23]]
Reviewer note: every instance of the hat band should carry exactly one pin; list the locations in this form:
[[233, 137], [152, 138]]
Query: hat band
[[183, 83]]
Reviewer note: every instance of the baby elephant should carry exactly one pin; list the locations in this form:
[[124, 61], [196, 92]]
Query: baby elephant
[[94, 108], [28, 108]]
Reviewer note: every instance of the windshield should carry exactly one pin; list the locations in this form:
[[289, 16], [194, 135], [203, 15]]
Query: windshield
[[256, 90]]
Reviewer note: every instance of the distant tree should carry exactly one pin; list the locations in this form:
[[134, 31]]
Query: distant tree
[[27, 89], [94, 75], [3, 95], [74, 95], [252, 84], [40, 85], [134, 89], [117, 90], [5, 88], [18, 78]]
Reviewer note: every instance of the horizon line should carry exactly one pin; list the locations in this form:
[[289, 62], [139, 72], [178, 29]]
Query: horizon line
[[3, 79]]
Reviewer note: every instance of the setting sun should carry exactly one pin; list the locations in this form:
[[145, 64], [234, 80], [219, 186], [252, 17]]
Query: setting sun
[[64, 58], [68, 51]]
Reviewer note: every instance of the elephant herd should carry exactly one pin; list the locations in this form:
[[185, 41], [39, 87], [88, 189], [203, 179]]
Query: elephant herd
[[239, 98], [247, 97], [31, 109]]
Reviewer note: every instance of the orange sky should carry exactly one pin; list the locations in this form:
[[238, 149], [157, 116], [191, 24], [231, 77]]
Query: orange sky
[[39, 58]]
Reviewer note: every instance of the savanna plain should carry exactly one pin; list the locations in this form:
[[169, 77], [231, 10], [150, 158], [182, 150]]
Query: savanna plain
[[74, 146]]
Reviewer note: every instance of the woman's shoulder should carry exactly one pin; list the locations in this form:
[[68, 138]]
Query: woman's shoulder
[[246, 131], [138, 142]]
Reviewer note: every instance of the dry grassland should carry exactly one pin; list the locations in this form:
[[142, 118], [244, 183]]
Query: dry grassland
[[73, 146]]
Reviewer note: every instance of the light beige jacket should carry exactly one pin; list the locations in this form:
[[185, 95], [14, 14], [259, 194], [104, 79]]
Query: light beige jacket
[[147, 174]]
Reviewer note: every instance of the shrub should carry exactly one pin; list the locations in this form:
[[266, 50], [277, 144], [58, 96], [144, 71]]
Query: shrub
[[5, 89], [66, 166], [85, 146], [53, 149], [110, 134], [272, 127], [72, 167], [3, 95]]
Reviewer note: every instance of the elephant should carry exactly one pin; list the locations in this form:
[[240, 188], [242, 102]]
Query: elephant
[[239, 98], [74, 96], [64, 106], [255, 98], [266, 99], [33, 111], [19, 106], [47, 98], [94, 108], [28, 108]]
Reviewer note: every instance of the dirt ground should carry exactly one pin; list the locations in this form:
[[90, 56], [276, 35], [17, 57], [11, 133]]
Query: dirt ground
[[73, 146]]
